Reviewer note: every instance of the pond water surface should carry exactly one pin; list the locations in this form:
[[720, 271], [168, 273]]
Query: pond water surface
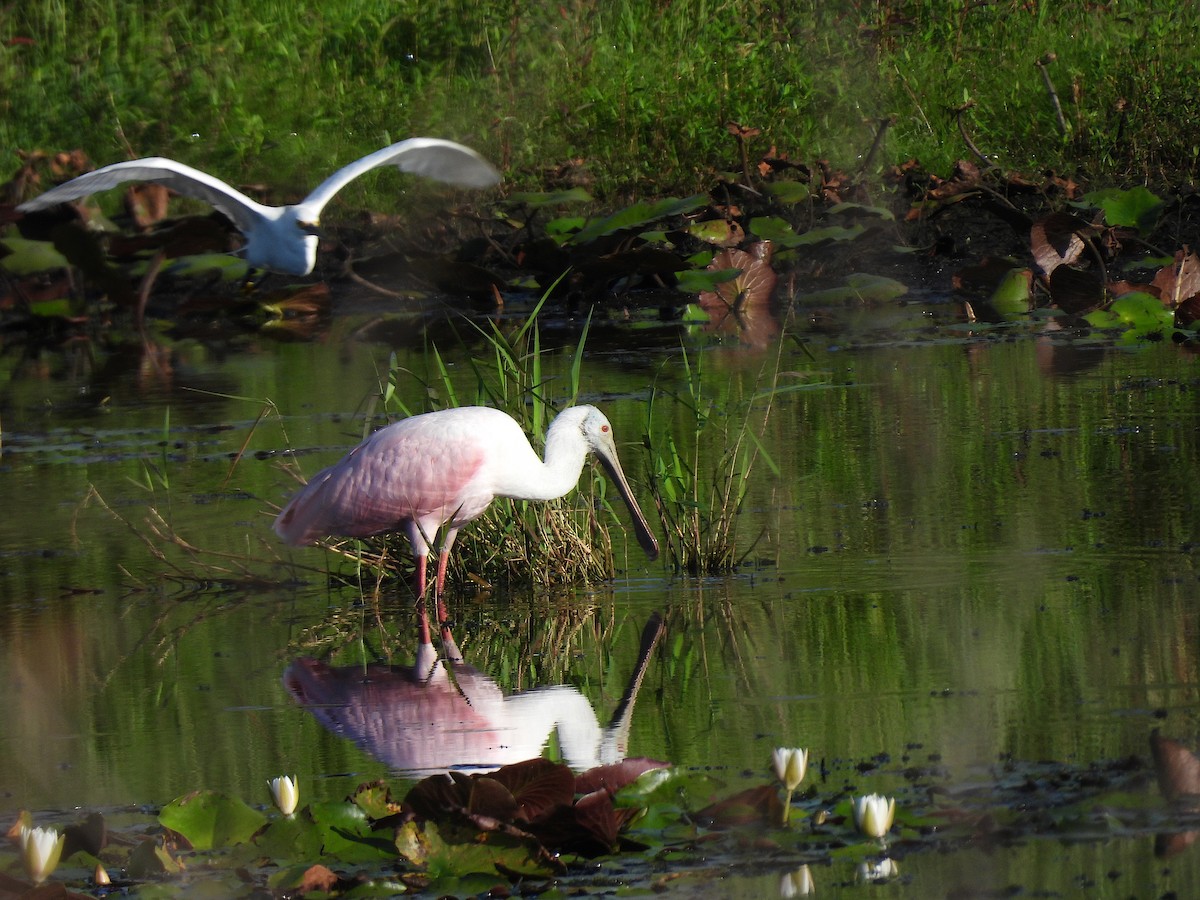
[[972, 583]]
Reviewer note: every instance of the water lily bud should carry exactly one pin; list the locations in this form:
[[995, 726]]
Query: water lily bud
[[285, 794], [790, 764], [40, 851], [100, 875], [873, 814]]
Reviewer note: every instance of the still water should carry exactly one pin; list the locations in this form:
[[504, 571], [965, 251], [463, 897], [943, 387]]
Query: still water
[[978, 556]]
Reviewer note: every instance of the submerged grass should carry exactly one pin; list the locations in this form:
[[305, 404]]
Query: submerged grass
[[641, 94]]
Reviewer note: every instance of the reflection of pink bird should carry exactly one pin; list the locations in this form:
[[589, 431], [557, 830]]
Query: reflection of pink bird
[[441, 470], [446, 714]]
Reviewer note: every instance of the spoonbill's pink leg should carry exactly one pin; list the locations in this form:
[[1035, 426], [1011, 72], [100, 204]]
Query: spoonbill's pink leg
[[420, 577]]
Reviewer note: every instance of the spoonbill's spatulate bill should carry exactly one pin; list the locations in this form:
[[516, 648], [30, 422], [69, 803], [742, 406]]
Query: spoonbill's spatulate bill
[[441, 470], [280, 238]]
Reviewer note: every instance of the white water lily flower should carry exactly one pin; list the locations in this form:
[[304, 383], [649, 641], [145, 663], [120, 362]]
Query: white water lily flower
[[790, 764], [40, 851], [285, 794], [873, 814]]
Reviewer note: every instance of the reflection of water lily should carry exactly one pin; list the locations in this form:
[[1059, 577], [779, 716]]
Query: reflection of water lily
[[873, 814], [285, 794], [40, 851], [790, 764], [797, 884], [881, 870]]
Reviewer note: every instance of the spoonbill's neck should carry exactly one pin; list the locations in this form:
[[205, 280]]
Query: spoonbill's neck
[[566, 451]]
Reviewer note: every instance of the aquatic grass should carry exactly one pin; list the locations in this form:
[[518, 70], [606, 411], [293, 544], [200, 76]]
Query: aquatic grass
[[699, 500]]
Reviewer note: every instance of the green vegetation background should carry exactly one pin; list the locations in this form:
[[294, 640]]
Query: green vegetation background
[[641, 91]]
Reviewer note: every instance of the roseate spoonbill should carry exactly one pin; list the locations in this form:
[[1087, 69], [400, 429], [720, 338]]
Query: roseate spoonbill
[[442, 469], [280, 238]]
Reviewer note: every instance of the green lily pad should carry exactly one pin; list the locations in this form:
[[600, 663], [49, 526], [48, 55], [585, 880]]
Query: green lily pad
[[1012, 295], [640, 214], [859, 288], [346, 833], [1138, 311], [847, 207], [788, 191], [693, 281], [24, 257], [211, 819], [538, 199], [1133, 208]]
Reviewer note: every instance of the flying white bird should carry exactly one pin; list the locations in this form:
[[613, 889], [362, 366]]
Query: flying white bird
[[280, 238]]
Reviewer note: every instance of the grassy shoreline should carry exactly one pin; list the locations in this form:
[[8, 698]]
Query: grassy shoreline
[[641, 93]]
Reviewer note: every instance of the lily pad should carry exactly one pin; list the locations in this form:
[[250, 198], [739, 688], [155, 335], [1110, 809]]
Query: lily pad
[[1133, 208], [640, 214], [24, 257], [210, 819], [859, 288]]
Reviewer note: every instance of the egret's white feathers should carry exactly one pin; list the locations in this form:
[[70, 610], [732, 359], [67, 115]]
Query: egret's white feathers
[[280, 237]]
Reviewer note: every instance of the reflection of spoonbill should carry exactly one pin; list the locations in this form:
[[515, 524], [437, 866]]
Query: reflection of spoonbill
[[441, 470], [280, 238], [445, 714]]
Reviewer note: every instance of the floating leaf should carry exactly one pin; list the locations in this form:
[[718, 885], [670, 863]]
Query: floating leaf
[[848, 207], [693, 281], [346, 833], [859, 288], [562, 228], [773, 228], [211, 819], [638, 215], [24, 257], [721, 232], [1135, 207], [538, 199], [615, 776], [788, 191], [1012, 296], [1140, 313], [232, 268], [537, 785]]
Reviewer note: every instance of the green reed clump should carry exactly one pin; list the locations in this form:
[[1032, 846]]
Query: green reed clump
[[699, 496]]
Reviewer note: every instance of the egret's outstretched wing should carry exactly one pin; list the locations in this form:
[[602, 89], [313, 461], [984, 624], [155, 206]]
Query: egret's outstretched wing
[[431, 157], [243, 211]]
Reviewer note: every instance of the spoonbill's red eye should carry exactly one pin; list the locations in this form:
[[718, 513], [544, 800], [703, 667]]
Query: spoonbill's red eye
[[604, 428]]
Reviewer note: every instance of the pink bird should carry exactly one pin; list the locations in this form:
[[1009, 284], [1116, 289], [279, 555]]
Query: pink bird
[[440, 470]]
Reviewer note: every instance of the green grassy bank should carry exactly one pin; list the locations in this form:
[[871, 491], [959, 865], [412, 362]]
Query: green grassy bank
[[640, 91]]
